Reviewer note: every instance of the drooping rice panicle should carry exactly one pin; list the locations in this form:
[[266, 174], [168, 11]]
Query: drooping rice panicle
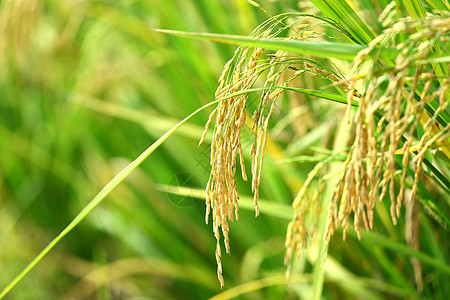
[[371, 167], [240, 74]]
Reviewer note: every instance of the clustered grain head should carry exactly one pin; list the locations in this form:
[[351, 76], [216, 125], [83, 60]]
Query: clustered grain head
[[306, 211], [239, 75], [221, 193], [392, 103], [387, 143]]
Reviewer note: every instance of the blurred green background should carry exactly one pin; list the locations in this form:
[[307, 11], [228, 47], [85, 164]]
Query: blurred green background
[[85, 87]]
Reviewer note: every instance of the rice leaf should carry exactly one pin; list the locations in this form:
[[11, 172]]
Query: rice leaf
[[319, 49], [98, 199], [415, 8], [439, 5], [340, 12]]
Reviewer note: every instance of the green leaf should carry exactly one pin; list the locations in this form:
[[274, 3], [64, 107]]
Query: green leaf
[[439, 5], [99, 198], [318, 49], [415, 9], [340, 12], [375, 238], [108, 188], [269, 208], [321, 94]]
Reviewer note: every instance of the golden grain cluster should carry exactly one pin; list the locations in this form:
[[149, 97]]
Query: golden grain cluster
[[239, 75], [394, 98], [392, 104]]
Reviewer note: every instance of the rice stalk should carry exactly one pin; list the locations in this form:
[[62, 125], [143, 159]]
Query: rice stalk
[[241, 73]]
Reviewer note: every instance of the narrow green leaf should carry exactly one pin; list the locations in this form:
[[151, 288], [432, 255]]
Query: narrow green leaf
[[107, 189], [375, 238], [433, 60], [255, 285], [318, 49], [269, 208], [98, 199], [340, 12], [307, 159], [321, 94], [415, 9], [439, 5]]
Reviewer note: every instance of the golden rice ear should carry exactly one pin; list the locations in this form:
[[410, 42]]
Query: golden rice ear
[[306, 212], [239, 74], [222, 196], [370, 171]]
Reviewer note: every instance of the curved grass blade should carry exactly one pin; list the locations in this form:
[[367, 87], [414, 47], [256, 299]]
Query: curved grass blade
[[415, 9], [104, 192], [259, 284], [321, 94], [341, 13], [439, 5], [376, 238], [273, 209], [432, 60], [319, 49]]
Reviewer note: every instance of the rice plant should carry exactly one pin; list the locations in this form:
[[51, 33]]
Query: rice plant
[[337, 112], [394, 96]]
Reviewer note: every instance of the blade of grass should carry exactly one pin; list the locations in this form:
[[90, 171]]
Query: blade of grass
[[274, 209], [415, 8], [439, 5], [256, 285], [321, 94], [375, 238], [344, 15], [318, 49], [432, 60], [307, 158], [104, 192]]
